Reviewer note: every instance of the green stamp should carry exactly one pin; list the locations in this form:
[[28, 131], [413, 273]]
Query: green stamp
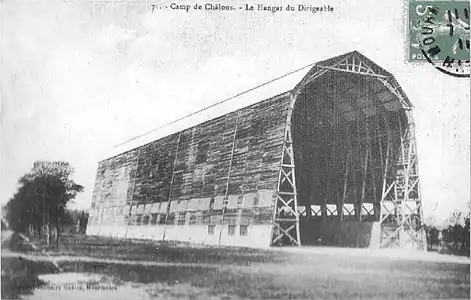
[[439, 34]]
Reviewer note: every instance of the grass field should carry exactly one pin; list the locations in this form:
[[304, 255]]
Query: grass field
[[175, 272]]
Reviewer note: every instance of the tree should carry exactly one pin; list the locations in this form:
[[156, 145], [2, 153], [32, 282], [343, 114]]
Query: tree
[[76, 220], [83, 221], [42, 197], [456, 236], [432, 236]]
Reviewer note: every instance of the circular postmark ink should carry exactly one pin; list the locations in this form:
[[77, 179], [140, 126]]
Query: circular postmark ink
[[450, 67], [443, 36]]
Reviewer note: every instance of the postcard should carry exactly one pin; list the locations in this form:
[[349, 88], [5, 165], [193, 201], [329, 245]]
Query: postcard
[[305, 149]]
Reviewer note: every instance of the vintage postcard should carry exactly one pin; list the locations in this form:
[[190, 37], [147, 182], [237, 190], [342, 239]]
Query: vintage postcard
[[304, 149]]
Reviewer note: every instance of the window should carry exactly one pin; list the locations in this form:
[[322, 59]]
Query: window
[[349, 209], [171, 219], [153, 219], [367, 209], [145, 220], [193, 219], [138, 219], [181, 218], [206, 218], [231, 230], [243, 230], [161, 219], [332, 210], [211, 229]]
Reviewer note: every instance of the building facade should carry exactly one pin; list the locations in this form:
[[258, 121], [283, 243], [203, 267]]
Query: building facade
[[331, 161]]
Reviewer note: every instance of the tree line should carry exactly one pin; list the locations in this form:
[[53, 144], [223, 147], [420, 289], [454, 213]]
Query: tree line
[[39, 208], [453, 239], [39, 204]]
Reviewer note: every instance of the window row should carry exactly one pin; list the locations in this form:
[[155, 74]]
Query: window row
[[256, 200], [348, 209], [231, 230]]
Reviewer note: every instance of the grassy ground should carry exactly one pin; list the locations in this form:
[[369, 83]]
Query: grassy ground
[[20, 276], [304, 277], [231, 273]]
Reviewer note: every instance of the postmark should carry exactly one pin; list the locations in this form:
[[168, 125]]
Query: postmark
[[439, 35]]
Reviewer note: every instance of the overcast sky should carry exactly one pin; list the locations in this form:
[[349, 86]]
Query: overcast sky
[[72, 86]]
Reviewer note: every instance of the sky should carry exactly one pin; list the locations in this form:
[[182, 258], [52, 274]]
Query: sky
[[74, 82]]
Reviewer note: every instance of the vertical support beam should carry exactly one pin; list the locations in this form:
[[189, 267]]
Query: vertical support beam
[[285, 213], [357, 197], [422, 239], [373, 169], [385, 213], [306, 167], [364, 170], [326, 176], [171, 185], [406, 178], [407, 175], [345, 177], [386, 160], [224, 206], [413, 217], [403, 167], [379, 136]]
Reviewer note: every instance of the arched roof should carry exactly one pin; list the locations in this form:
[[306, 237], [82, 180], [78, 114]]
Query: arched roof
[[351, 62], [213, 153]]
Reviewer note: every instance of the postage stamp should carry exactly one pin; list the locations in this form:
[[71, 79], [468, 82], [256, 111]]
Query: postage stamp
[[438, 33]]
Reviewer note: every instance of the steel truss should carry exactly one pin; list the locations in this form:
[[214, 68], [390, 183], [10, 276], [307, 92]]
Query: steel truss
[[401, 202], [286, 216], [397, 206]]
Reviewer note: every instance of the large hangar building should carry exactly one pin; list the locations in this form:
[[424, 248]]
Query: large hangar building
[[332, 161]]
